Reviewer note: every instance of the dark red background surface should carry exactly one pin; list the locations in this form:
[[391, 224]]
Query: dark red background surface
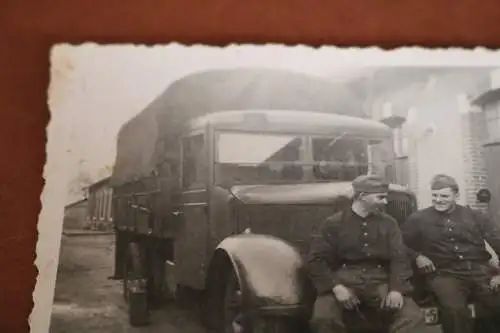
[[29, 28]]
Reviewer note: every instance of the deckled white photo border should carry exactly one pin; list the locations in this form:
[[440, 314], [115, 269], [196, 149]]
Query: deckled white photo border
[[294, 57]]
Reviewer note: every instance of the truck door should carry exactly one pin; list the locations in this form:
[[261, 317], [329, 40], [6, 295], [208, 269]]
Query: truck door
[[191, 245]]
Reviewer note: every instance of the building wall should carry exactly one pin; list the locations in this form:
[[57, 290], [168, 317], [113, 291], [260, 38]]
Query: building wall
[[75, 216], [436, 140], [93, 213], [495, 79], [489, 115], [100, 204], [442, 133], [475, 174]]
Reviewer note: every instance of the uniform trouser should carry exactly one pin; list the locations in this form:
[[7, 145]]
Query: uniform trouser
[[371, 288], [454, 289]]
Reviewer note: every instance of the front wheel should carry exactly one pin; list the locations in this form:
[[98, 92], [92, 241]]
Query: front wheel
[[234, 318]]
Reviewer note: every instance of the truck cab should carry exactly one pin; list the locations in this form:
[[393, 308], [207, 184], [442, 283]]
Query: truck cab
[[288, 169]]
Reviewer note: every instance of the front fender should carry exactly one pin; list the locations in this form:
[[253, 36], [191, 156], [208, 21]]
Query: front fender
[[267, 267]]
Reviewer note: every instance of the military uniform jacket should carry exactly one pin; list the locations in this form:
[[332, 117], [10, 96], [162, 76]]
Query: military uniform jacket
[[453, 241], [349, 239]]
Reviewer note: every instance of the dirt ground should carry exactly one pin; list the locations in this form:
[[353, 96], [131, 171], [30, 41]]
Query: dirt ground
[[87, 302]]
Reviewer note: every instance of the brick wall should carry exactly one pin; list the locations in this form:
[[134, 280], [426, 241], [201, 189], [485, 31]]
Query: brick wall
[[491, 177], [474, 132]]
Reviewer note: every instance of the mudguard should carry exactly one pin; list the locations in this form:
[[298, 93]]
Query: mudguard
[[268, 268]]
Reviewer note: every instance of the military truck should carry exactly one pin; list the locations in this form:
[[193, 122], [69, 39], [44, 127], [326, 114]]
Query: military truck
[[220, 182]]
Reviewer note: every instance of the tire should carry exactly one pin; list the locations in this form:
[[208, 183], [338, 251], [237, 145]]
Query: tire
[[134, 294], [126, 276]]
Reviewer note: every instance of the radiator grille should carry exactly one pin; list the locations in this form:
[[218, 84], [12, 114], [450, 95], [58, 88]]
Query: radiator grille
[[400, 207]]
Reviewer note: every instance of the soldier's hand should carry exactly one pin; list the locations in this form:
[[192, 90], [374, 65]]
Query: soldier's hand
[[345, 297], [425, 264], [495, 283], [393, 300]]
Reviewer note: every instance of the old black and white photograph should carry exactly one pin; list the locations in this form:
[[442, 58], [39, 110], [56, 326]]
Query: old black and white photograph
[[273, 189]]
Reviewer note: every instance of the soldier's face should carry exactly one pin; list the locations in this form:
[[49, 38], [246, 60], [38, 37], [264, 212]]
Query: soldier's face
[[444, 199], [375, 201]]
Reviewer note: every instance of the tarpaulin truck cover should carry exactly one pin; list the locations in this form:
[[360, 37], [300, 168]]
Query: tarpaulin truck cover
[[140, 140]]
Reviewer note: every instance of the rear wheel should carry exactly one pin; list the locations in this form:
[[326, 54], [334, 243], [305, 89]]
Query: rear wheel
[[134, 287], [126, 278]]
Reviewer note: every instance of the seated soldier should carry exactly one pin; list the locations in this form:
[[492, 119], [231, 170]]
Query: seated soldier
[[359, 259], [447, 241]]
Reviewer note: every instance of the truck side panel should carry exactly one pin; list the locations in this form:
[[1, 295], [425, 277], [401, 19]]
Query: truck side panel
[[190, 247]]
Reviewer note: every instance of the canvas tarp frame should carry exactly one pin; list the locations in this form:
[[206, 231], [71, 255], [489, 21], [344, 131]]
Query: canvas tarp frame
[[141, 141]]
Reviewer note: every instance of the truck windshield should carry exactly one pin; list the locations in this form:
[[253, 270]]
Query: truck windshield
[[248, 158], [339, 157], [249, 148], [256, 158]]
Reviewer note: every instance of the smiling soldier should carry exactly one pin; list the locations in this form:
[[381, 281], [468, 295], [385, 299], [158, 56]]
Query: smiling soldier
[[447, 241], [359, 259]]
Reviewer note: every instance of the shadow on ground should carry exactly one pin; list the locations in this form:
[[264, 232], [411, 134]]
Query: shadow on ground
[[86, 301]]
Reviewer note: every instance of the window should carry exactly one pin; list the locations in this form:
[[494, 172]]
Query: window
[[247, 148], [107, 211], [102, 199], [253, 158], [338, 149], [492, 114], [193, 161], [98, 205], [110, 204], [339, 158]]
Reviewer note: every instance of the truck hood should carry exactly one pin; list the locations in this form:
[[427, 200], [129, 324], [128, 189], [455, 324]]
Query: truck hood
[[315, 193]]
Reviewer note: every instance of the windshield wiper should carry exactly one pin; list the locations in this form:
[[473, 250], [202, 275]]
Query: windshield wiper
[[333, 142]]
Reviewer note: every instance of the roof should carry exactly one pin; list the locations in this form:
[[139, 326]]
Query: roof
[[488, 97], [99, 182], [75, 203], [292, 121], [141, 139]]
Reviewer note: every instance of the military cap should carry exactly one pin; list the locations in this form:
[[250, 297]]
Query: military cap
[[441, 181], [370, 184]]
